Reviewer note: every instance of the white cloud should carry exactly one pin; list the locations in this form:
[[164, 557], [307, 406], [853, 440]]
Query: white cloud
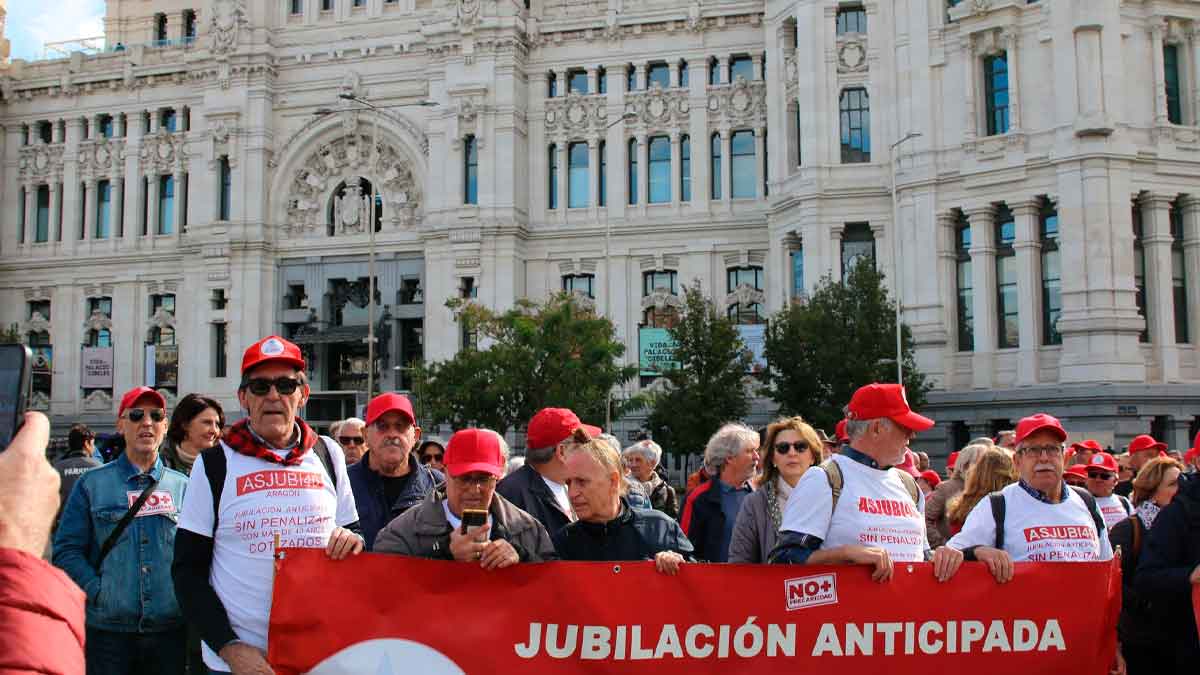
[[33, 23]]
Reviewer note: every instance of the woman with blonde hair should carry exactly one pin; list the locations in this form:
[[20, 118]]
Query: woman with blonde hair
[[992, 470], [1139, 627], [792, 447]]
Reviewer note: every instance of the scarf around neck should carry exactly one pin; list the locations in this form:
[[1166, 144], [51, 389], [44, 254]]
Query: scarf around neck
[[1148, 511], [245, 441]]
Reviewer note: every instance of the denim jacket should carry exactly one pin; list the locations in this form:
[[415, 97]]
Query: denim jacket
[[132, 592]]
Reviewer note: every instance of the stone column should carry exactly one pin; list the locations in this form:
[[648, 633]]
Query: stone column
[[757, 63], [1158, 29], [56, 233], [593, 84], [983, 283], [593, 175], [1193, 46], [835, 251], [1011, 39], [564, 84], [152, 186], [673, 76], [760, 152], [1160, 303], [31, 192], [970, 130], [727, 169], [180, 200], [88, 199], [947, 261], [640, 76], [643, 167], [1029, 286], [1191, 263], [723, 64], [564, 199], [676, 164], [116, 217]]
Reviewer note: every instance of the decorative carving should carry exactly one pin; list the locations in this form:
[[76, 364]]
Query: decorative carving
[[576, 113], [658, 107], [741, 103], [228, 17], [161, 319], [694, 23], [852, 56], [98, 400], [745, 294], [467, 16], [980, 6], [98, 321], [612, 29], [660, 299], [162, 152], [40, 162], [791, 71], [352, 85], [36, 324], [102, 157]]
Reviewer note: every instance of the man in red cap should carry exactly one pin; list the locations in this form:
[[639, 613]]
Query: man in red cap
[[389, 479], [859, 508], [1191, 458], [1101, 481], [271, 482], [539, 487], [434, 528], [1075, 475], [1081, 452], [114, 540], [1042, 519], [1142, 449]]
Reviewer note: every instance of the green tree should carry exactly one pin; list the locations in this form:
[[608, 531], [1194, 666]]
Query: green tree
[[708, 387], [820, 351], [536, 355]]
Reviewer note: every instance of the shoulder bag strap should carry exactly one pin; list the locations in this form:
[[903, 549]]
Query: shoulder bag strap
[[911, 484], [111, 541], [323, 452], [833, 473], [999, 507], [1090, 501], [215, 468]]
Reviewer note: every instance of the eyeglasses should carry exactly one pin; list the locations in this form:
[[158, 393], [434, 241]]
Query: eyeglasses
[[475, 481], [261, 386], [136, 415], [1046, 450], [783, 447], [350, 440], [425, 459], [1096, 475]]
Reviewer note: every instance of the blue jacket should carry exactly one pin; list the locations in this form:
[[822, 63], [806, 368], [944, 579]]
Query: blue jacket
[[132, 592], [374, 511], [703, 521]]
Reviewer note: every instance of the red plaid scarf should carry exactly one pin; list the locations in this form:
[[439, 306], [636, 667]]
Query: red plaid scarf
[[243, 441]]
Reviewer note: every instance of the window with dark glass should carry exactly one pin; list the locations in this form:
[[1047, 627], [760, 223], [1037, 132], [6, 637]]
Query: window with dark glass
[[326, 5], [602, 198], [106, 126], [1051, 275], [745, 313], [964, 285], [577, 81], [166, 334], [741, 66], [766, 164], [652, 281], [1139, 270], [601, 80], [103, 204], [714, 71], [551, 85], [160, 27], [683, 74], [552, 165], [1172, 83], [41, 231], [189, 24], [579, 282], [1179, 275], [220, 349], [858, 246], [855, 109], [1008, 327], [995, 85], [715, 165], [166, 204], [796, 257], [630, 78], [467, 290], [658, 73], [578, 175], [796, 130], [169, 120], [742, 165], [226, 185], [660, 170], [470, 171], [851, 19], [296, 7], [685, 168], [632, 173], [45, 132], [98, 337], [22, 202]]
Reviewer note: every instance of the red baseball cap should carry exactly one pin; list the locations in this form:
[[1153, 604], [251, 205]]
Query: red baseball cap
[[909, 465], [840, 432], [952, 460], [1089, 444], [1040, 422], [886, 400], [1078, 470], [471, 450], [1192, 454], [931, 477], [271, 348], [550, 426], [385, 403], [136, 394], [1146, 442], [1105, 461]]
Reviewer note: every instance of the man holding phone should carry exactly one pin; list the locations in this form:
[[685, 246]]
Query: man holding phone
[[465, 519], [116, 539]]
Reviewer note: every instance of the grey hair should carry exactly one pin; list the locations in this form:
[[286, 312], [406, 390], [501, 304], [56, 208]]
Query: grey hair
[[513, 464], [856, 428], [967, 457], [651, 451], [336, 427], [984, 441], [726, 443], [611, 440]]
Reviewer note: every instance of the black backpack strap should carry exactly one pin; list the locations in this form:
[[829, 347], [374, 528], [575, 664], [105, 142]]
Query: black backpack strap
[[126, 519], [1088, 499], [215, 468], [999, 507], [322, 451]]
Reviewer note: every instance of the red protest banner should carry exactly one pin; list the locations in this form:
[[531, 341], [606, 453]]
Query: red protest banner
[[381, 614]]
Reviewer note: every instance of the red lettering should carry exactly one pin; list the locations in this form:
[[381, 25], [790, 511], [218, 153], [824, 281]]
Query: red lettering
[[1068, 532], [279, 479]]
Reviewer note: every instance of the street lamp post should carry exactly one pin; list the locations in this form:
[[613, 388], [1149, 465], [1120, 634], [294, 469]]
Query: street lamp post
[[892, 161], [371, 223], [608, 273]]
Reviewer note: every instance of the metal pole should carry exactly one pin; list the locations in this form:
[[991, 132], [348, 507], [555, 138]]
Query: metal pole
[[371, 259]]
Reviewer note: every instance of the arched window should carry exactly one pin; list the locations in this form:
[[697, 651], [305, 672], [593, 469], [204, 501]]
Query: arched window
[[715, 166], [658, 73], [855, 109], [342, 204], [743, 166], [577, 175], [660, 170]]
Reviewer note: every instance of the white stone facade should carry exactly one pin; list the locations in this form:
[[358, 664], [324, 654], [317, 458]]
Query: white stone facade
[[1090, 130]]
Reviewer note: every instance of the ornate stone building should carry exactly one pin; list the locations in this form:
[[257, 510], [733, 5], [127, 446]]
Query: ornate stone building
[[214, 175]]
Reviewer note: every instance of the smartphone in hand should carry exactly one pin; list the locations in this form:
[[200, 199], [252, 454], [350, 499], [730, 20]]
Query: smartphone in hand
[[473, 518], [15, 364]]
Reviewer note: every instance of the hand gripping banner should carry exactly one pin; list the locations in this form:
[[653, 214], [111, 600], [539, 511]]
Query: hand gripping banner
[[378, 614]]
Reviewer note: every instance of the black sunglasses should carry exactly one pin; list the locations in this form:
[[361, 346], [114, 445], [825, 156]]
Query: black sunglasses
[[783, 447], [136, 415], [350, 440], [425, 459], [260, 386], [1101, 476]]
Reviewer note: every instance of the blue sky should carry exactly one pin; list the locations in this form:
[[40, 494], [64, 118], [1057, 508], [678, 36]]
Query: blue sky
[[32, 23]]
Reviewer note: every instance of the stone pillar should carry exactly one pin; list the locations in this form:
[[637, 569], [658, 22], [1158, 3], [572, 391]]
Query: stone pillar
[[673, 77], [643, 167], [757, 63], [56, 233], [564, 83], [947, 261], [152, 186], [983, 283], [1160, 302], [727, 169], [564, 199], [116, 206], [760, 151], [593, 84], [1191, 263], [180, 201], [1011, 40], [593, 175], [1029, 286], [970, 129], [88, 200], [1158, 29], [723, 75], [31, 190], [676, 164], [835, 252], [639, 80]]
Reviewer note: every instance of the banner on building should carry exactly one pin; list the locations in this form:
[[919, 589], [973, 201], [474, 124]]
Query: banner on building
[[754, 336], [448, 617], [162, 366], [96, 368], [656, 350]]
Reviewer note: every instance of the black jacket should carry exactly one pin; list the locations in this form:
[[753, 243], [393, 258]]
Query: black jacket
[[703, 521], [1139, 624], [635, 534], [374, 513], [1169, 554], [528, 492]]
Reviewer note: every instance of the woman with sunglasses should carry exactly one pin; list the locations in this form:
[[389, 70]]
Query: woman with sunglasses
[[195, 426], [1140, 627], [432, 453], [792, 447]]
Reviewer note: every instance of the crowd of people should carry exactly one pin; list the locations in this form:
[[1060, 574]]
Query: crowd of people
[[163, 555]]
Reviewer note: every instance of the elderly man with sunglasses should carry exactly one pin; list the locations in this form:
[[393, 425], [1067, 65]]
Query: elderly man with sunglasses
[[272, 482], [389, 480], [350, 433], [116, 539]]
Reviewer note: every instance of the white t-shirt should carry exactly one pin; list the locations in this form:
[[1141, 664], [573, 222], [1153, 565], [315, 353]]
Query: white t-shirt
[[1035, 531], [1113, 508], [261, 499], [874, 509], [560, 495]]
